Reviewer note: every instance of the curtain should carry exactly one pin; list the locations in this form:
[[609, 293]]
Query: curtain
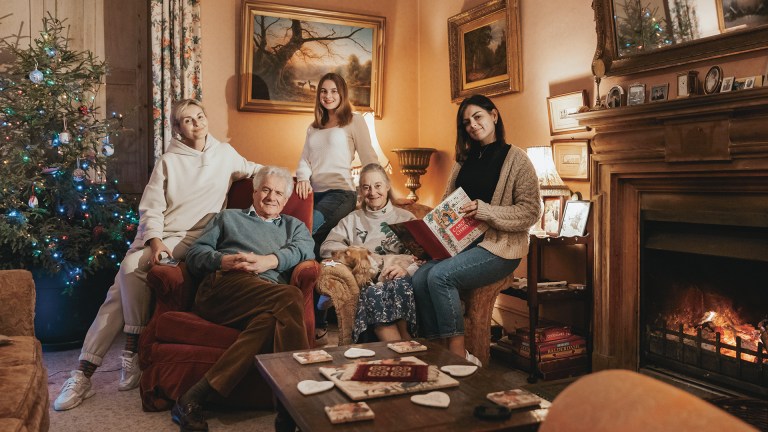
[[176, 62]]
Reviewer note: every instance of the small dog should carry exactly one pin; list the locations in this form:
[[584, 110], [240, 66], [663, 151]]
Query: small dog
[[366, 266]]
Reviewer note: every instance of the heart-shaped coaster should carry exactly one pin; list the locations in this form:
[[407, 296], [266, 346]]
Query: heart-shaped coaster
[[358, 352], [435, 399], [459, 370], [308, 387]]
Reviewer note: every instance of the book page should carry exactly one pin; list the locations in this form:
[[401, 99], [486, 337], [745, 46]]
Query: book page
[[453, 230]]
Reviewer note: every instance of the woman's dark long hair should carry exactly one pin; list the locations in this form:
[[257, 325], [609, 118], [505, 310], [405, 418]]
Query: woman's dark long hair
[[345, 109], [463, 141]]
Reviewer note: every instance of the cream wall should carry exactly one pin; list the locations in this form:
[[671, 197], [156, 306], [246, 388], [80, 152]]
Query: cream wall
[[278, 138]]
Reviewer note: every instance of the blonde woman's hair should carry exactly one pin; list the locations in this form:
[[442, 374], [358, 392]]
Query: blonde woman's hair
[[179, 107]]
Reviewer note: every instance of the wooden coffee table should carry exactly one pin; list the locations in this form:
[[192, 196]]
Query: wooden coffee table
[[393, 413]]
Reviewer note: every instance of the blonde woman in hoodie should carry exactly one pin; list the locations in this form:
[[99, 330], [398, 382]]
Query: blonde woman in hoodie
[[187, 188]]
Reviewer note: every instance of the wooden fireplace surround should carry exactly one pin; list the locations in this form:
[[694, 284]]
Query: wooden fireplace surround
[[710, 145]]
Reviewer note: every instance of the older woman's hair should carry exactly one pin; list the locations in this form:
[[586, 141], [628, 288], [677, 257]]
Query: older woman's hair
[[280, 172], [376, 168], [180, 106], [343, 112]]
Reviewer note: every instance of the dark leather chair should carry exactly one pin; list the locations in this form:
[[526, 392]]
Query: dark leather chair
[[178, 347]]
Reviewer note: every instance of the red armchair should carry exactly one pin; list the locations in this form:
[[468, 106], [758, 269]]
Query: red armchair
[[178, 347]]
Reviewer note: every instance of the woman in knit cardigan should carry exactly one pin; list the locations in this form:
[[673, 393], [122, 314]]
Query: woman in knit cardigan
[[502, 184]]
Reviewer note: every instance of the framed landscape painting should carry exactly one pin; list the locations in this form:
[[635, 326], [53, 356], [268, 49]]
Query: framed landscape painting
[[484, 50], [284, 50]]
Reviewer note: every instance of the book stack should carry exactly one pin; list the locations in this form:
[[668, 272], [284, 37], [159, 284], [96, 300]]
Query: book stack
[[559, 352]]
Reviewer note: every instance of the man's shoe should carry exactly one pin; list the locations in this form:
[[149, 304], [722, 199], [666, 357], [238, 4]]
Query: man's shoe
[[130, 375], [321, 337], [189, 417], [74, 391]]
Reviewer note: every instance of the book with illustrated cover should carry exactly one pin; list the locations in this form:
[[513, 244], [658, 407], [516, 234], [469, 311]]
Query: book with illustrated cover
[[361, 390], [443, 232], [317, 356], [349, 412], [406, 346], [514, 399]]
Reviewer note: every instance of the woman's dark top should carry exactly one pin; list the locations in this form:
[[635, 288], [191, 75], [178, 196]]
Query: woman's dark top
[[480, 172]]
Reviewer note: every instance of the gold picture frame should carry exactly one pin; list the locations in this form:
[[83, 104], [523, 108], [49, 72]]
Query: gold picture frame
[[490, 34], [571, 158], [278, 66]]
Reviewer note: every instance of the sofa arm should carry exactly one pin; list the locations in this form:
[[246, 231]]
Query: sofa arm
[[338, 283], [174, 288], [17, 295]]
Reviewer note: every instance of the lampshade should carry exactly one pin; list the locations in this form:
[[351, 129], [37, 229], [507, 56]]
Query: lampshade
[[550, 182], [357, 165]]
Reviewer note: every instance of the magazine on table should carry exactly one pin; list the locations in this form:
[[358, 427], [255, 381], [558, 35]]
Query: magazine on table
[[443, 232]]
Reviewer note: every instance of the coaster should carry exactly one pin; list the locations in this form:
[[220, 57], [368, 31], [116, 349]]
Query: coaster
[[318, 356], [349, 412], [406, 347], [435, 399], [515, 398], [353, 353], [459, 370], [309, 387]]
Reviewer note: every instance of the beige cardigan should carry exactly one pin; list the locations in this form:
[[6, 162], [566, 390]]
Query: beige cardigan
[[514, 208]]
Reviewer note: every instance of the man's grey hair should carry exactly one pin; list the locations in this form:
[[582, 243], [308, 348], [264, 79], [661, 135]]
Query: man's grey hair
[[280, 172]]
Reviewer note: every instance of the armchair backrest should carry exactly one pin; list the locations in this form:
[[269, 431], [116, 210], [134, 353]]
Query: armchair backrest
[[240, 196]]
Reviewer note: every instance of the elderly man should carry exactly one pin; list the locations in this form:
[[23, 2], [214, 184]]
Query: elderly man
[[244, 258]]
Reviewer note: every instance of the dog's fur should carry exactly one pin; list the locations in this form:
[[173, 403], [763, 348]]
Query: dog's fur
[[365, 266]]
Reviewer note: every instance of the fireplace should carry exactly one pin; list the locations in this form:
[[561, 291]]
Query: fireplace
[[690, 172], [704, 288]]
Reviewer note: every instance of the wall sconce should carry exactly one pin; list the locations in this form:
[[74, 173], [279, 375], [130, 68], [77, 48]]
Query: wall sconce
[[550, 182], [357, 165], [413, 163]]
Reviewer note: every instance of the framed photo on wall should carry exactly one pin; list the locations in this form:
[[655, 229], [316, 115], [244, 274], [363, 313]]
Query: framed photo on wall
[[561, 109], [571, 158], [484, 48], [575, 216], [284, 50]]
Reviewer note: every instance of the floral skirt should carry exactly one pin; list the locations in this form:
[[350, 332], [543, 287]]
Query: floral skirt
[[385, 303]]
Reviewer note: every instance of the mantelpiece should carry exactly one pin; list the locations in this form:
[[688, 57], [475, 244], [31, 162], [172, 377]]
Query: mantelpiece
[[708, 147]]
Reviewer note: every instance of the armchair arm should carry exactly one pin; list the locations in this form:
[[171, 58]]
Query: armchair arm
[[304, 277], [174, 288], [338, 283], [18, 299]]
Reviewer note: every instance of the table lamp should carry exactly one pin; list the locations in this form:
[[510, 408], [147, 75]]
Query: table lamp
[[413, 164], [550, 182], [357, 165]]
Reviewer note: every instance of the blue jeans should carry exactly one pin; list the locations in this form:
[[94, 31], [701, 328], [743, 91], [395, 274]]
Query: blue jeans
[[436, 287]]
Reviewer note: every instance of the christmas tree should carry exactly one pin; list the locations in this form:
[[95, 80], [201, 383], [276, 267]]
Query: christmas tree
[[58, 212], [638, 30]]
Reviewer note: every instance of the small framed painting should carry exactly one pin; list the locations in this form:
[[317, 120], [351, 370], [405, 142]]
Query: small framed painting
[[659, 92], [575, 216], [636, 94], [561, 109], [571, 158], [553, 212]]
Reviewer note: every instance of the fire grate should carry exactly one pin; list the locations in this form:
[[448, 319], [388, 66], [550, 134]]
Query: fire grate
[[733, 366], [752, 411]]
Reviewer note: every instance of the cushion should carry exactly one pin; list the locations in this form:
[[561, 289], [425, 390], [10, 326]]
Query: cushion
[[188, 328]]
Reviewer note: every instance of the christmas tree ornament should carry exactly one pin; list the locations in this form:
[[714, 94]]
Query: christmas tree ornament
[[50, 51], [83, 110], [36, 76], [106, 148], [78, 174], [33, 201], [64, 135], [50, 170]]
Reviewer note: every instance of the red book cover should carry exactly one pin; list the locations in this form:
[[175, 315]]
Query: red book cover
[[544, 334], [568, 347], [418, 238]]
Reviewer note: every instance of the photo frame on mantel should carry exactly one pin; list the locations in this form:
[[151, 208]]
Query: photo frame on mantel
[[484, 48], [285, 49]]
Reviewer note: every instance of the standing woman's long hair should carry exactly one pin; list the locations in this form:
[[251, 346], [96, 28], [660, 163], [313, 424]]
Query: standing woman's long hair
[[343, 112], [463, 141]]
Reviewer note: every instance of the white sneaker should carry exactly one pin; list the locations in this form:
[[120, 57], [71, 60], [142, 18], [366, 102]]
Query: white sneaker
[[472, 359], [130, 375], [74, 391]]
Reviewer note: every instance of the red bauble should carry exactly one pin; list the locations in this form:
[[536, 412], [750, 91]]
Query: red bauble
[[130, 227], [98, 230], [83, 110]]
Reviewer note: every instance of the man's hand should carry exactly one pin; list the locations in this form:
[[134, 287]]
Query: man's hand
[[248, 262], [158, 248], [392, 272], [303, 188]]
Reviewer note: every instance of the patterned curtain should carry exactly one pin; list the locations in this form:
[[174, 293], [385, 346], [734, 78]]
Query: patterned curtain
[[176, 59]]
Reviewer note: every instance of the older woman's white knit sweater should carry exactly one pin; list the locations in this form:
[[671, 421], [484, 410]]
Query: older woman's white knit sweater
[[514, 208]]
